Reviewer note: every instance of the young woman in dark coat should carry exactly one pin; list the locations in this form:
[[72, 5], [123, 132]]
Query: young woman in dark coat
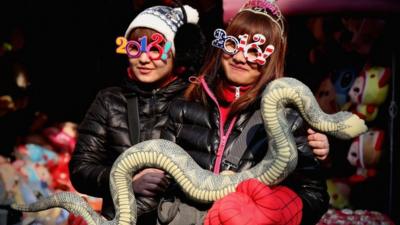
[[153, 83], [219, 103]]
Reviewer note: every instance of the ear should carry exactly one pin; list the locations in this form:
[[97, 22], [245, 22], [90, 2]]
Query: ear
[[385, 77], [189, 48], [380, 139]]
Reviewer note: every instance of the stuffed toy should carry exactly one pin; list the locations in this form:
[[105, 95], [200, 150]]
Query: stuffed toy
[[339, 193], [62, 136], [36, 154], [326, 96], [38, 139], [354, 217], [365, 153], [60, 173], [369, 91], [8, 177], [342, 80], [35, 175], [23, 194], [23, 182]]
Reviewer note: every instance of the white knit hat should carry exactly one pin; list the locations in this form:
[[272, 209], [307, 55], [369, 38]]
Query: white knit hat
[[164, 19]]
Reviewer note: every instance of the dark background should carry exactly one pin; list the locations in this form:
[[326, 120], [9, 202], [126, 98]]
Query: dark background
[[69, 50], [69, 47], [69, 54]]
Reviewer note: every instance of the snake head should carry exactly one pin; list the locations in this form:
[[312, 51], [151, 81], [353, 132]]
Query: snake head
[[353, 127]]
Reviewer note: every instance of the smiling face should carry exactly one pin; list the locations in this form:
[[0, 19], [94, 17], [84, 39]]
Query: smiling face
[[242, 71], [145, 69], [238, 70]]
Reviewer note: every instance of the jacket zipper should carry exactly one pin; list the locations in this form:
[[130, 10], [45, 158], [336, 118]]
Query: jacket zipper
[[237, 92], [223, 136]]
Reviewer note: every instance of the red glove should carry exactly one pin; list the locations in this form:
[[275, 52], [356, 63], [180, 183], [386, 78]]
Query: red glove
[[255, 203], [76, 220]]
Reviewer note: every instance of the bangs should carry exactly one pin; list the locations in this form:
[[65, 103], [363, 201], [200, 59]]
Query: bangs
[[142, 31], [251, 23]]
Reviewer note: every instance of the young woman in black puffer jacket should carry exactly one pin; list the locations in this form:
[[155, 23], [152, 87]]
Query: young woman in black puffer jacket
[[218, 105], [106, 130]]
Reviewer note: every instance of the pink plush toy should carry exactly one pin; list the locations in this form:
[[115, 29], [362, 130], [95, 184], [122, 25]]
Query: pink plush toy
[[62, 136], [365, 153]]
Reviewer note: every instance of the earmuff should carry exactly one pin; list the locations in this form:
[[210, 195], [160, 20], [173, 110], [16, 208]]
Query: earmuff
[[190, 46]]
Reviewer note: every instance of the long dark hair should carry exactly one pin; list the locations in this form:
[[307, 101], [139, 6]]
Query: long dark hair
[[244, 22]]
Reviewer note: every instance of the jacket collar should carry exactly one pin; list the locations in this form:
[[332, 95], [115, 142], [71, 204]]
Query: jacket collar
[[133, 87]]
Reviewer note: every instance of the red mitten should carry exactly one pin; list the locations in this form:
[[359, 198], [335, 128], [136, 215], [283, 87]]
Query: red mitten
[[255, 203]]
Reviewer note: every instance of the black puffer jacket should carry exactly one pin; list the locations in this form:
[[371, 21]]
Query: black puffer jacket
[[104, 134], [196, 129]]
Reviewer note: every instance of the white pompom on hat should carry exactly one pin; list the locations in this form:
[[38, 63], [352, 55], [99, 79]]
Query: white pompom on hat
[[165, 20]]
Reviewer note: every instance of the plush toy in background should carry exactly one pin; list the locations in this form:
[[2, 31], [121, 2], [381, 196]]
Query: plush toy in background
[[23, 182], [339, 192], [354, 217], [369, 91], [342, 80], [24, 194], [60, 173], [365, 153], [36, 154], [38, 139], [8, 177], [326, 96], [36, 176], [62, 136]]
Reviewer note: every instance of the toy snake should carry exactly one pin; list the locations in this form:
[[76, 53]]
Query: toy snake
[[203, 185]]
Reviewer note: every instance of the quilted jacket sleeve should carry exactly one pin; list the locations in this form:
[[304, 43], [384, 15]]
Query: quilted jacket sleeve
[[89, 166], [174, 122], [307, 180]]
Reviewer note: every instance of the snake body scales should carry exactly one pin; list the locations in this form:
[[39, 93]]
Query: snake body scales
[[203, 185]]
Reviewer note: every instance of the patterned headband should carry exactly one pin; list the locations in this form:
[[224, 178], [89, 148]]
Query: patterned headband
[[267, 8]]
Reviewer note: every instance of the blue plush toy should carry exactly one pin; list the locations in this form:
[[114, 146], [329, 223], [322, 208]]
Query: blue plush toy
[[342, 80]]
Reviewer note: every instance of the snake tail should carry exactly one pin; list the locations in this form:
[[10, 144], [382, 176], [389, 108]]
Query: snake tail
[[72, 202]]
